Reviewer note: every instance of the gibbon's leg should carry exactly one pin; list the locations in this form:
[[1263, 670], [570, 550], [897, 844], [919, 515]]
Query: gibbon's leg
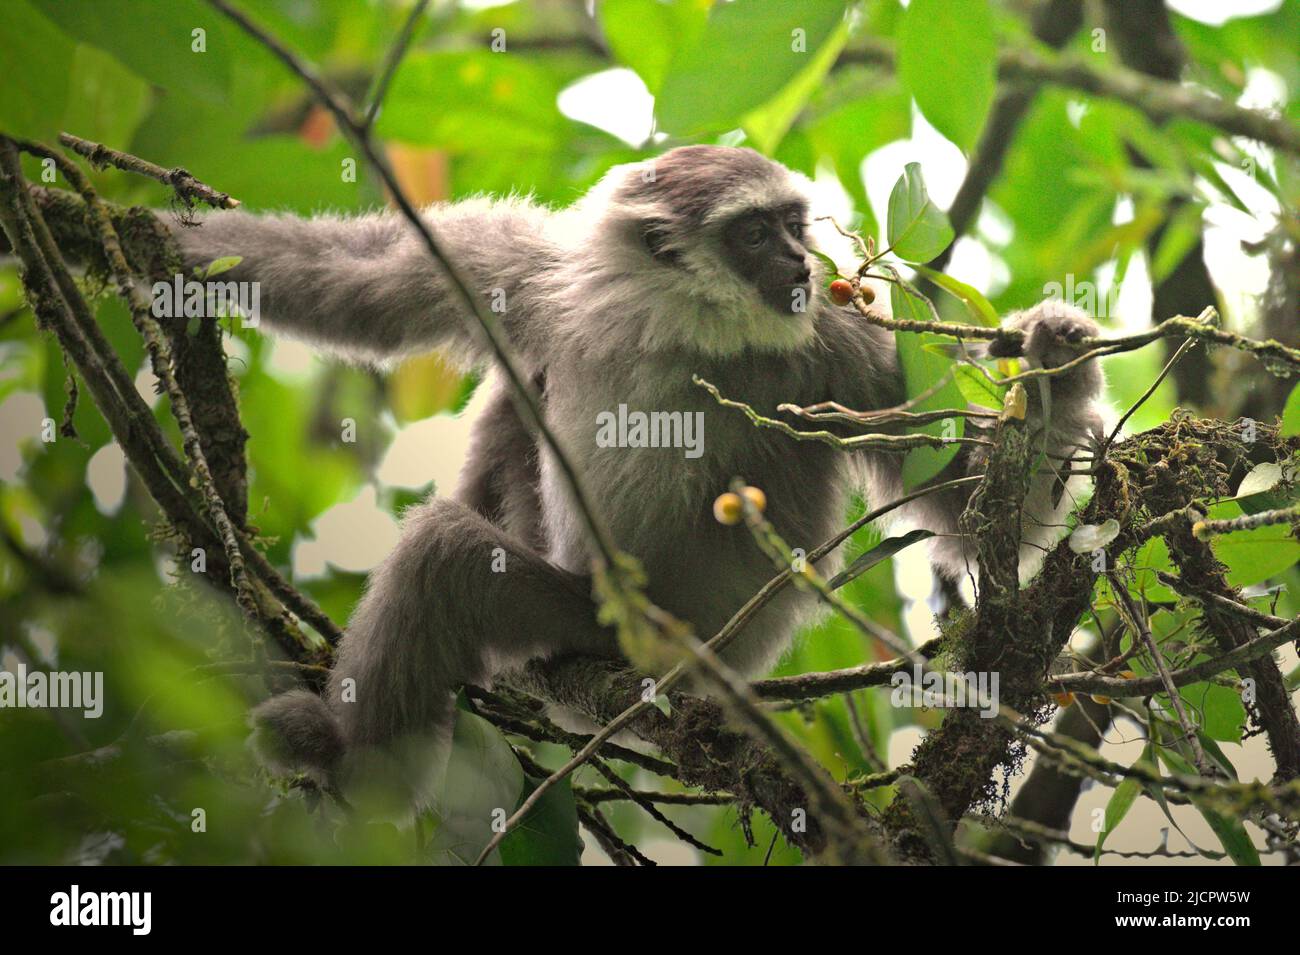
[[457, 601]]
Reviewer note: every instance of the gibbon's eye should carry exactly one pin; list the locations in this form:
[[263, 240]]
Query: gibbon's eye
[[796, 228], [755, 235]]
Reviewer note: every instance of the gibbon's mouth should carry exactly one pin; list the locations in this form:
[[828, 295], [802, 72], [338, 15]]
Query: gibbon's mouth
[[785, 298]]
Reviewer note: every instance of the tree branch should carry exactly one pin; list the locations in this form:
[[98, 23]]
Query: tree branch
[[1159, 99], [187, 187]]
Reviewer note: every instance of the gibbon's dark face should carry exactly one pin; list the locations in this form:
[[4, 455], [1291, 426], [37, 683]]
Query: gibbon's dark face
[[765, 247]]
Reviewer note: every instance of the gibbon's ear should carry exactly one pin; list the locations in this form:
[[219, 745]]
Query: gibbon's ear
[[655, 235]]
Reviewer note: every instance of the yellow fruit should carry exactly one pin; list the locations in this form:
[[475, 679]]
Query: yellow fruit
[[868, 293], [1063, 699], [756, 497], [728, 509], [1128, 675], [1100, 700]]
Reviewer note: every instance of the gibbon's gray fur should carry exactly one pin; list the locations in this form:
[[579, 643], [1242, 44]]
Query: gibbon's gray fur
[[666, 268]]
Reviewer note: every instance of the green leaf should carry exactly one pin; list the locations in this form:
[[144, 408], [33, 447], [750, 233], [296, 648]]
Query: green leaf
[[154, 39], [747, 53], [106, 101], [882, 17], [644, 34], [979, 307], [1151, 557], [479, 788], [486, 102], [1121, 801], [886, 549], [947, 58], [482, 772], [1163, 733], [832, 270], [1253, 555], [768, 124], [977, 389], [921, 370], [852, 130], [223, 264], [1262, 477], [1232, 835], [1291, 414], [1212, 748], [918, 230], [548, 835], [1182, 232], [35, 60], [1260, 491]]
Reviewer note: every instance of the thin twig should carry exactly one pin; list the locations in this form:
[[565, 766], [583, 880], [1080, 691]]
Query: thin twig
[[1257, 617], [186, 186], [161, 358], [871, 419], [810, 686], [623, 853], [881, 442], [1028, 829], [1206, 529], [596, 796], [391, 62], [293, 598], [1142, 399], [1202, 327], [651, 809], [1119, 687], [1137, 620]]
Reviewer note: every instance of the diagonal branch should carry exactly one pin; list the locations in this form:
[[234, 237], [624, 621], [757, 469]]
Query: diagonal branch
[[186, 186], [60, 307], [1159, 99], [1271, 352], [1119, 687], [1137, 620], [164, 367]]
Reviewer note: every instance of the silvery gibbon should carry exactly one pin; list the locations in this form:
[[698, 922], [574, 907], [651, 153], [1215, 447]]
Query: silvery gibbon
[[697, 262]]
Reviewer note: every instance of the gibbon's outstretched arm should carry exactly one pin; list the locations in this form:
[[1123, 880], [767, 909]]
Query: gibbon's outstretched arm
[[365, 287]]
